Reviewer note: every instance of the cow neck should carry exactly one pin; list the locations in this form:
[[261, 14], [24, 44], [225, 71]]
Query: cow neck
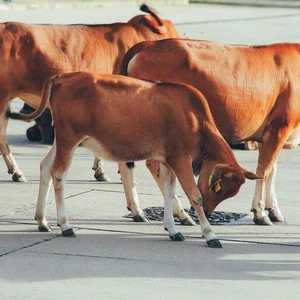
[[216, 147]]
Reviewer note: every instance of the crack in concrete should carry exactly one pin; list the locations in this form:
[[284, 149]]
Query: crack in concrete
[[97, 256], [28, 246]]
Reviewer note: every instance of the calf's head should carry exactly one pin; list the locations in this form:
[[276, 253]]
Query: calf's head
[[219, 182]]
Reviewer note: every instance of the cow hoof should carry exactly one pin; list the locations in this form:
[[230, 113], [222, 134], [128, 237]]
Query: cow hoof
[[178, 237], [69, 233], [101, 177], [188, 222], [45, 228], [141, 219], [215, 243], [19, 178], [275, 216], [262, 221]]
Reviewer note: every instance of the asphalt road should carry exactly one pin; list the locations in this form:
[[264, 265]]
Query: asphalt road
[[114, 258]]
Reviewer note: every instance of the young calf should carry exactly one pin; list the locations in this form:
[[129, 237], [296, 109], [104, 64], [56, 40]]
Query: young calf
[[124, 119]]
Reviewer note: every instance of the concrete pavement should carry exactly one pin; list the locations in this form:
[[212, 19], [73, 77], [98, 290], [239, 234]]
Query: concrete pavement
[[115, 258]]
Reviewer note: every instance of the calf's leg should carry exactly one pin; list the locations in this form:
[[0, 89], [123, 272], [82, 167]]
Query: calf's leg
[[45, 185], [184, 172], [59, 170], [131, 193], [178, 211], [168, 180]]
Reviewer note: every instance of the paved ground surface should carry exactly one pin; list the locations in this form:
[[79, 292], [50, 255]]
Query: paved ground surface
[[114, 258]]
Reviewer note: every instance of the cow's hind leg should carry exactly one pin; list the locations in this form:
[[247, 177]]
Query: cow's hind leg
[[99, 174], [168, 179], [126, 171], [45, 184], [184, 172], [59, 170], [10, 162], [178, 211]]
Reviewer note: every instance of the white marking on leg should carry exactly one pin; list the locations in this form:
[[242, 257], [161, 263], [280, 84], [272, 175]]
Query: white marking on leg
[[271, 199], [44, 187], [130, 190], [12, 167], [168, 181], [258, 206]]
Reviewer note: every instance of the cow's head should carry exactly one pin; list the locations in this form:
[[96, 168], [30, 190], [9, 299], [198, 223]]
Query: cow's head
[[219, 182]]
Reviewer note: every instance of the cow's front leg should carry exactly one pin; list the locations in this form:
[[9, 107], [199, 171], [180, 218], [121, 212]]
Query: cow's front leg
[[12, 167], [45, 184], [99, 174], [168, 180], [273, 141], [271, 199], [132, 200], [178, 210]]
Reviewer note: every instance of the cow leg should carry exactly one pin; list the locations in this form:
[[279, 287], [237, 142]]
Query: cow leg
[[271, 199], [273, 142], [99, 171], [178, 211], [168, 189], [12, 167], [131, 194], [184, 172], [59, 170], [45, 184]]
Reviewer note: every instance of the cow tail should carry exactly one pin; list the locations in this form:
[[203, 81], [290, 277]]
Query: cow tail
[[46, 92], [162, 28], [130, 54]]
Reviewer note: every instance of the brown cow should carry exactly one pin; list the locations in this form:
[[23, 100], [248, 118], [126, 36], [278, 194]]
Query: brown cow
[[252, 91], [131, 120], [29, 54]]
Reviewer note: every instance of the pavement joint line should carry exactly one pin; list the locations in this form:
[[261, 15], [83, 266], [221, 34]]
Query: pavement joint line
[[262, 243], [188, 236], [28, 246], [97, 256], [238, 19]]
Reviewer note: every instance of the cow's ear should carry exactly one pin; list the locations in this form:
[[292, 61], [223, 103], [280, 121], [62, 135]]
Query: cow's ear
[[251, 175]]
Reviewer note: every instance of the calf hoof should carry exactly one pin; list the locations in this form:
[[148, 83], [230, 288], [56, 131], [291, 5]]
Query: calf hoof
[[178, 237], [188, 222], [215, 243], [101, 177], [19, 178], [141, 219], [275, 216], [45, 228], [69, 233]]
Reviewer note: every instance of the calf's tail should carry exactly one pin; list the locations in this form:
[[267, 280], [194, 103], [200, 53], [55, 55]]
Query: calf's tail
[[46, 92]]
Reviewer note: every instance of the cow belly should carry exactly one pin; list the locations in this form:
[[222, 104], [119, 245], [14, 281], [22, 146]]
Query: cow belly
[[98, 149]]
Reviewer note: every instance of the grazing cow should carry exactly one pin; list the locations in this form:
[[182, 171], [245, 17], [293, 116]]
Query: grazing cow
[[252, 91], [125, 119], [29, 54]]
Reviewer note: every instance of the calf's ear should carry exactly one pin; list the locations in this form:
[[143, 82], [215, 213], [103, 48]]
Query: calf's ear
[[251, 175]]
